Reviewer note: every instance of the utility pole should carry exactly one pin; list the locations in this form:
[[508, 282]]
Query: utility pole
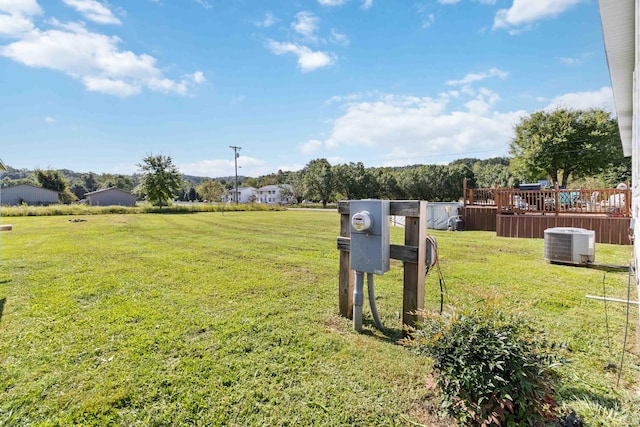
[[235, 158]]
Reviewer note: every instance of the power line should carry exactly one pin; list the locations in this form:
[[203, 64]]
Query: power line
[[236, 154]]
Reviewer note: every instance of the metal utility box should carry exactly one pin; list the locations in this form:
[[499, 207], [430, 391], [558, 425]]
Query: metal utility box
[[370, 235]]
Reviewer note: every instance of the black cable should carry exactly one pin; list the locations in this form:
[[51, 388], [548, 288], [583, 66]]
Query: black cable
[[436, 262]]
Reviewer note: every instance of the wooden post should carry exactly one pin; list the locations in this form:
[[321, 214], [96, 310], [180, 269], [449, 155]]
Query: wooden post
[[346, 275], [412, 253], [464, 193], [415, 234], [557, 197]]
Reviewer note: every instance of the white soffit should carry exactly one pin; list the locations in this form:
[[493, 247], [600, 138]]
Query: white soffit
[[618, 28]]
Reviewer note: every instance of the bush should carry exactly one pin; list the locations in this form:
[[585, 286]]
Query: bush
[[491, 369]]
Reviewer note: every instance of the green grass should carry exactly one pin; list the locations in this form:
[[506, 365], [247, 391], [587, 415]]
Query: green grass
[[231, 319]]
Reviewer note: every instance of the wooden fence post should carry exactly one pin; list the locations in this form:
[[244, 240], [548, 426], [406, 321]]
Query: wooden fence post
[[415, 234], [346, 275]]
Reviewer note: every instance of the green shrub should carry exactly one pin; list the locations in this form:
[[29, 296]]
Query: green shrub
[[491, 368]]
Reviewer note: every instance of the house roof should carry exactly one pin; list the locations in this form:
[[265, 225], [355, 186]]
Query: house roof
[[110, 190], [618, 29], [273, 187], [3, 167]]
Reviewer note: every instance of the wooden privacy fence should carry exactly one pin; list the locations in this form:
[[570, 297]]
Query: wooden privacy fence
[[413, 253]]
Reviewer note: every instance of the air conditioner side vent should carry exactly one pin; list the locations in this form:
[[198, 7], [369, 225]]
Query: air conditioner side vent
[[558, 247]]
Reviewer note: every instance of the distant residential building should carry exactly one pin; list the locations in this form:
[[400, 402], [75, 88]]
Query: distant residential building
[[272, 194], [110, 197], [244, 195], [27, 194]]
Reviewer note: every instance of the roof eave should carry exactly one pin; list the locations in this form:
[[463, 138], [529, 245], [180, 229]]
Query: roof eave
[[618, 29]]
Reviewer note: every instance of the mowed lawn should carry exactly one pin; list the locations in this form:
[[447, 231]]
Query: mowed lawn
[[231, 319]]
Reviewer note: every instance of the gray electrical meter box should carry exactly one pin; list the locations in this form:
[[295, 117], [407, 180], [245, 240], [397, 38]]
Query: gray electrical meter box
[[370, 235]]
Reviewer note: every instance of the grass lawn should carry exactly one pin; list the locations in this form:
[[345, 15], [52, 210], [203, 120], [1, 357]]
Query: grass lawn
[[231, 319]]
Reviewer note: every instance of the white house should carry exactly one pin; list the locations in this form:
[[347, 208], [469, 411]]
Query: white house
[[111, 197], [244, 195], [620, 27], [272, 194], [29, 194]]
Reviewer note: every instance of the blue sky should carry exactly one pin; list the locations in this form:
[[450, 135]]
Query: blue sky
[[91, 85]]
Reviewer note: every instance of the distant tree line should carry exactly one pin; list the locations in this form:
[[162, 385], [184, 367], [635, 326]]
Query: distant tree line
[[561, 146]]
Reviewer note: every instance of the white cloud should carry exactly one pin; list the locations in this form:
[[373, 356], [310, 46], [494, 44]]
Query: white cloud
[[526, 12], [248, 166], [93, 11], [601, 98], [291, 167], [339, 38], [50, 120], [94, 59], [448, 1], [110, 86], [577, 60], [366, 4], [20, 7], [204, 3], [14, 25], [332, 2], [306, 24], [476, 77], [15, 16], [198, 77], [311, 146], [411, 129], [308, 60], [269, 20]]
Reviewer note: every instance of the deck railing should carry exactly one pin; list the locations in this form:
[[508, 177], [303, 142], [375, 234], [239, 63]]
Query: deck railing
[[607, 201]]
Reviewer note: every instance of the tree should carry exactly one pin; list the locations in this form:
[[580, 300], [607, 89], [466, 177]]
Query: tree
[[51, 180], [55, 180], [494, 172], [294, 190], [565, 143], [354, 182], [122, 182], [160, 179], [211, 190], [318, 181]]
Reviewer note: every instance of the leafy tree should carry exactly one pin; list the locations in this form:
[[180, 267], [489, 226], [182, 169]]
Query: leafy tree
[[494, 172], [387, 182], [55, 180], [354, 181], [193, 195], [160, 179], [211, 190], [294, 190], [122, 182], [319, 181], [78, 189], [90, 182], [51, 180], [436, 183], [565, 143]]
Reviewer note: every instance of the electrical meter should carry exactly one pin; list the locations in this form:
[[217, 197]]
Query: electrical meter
[[362, 221], [370, 235]]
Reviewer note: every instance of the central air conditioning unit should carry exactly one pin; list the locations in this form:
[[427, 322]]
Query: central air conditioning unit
[[569, 245]]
